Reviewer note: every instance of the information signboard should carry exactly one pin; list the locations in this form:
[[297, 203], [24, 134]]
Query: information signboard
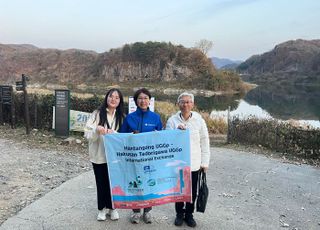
[[1, 95], [6, 95], [62, 108], [19, 86], [6, 104]]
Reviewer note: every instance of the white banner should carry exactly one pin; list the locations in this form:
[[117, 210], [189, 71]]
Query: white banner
[[77, 122]]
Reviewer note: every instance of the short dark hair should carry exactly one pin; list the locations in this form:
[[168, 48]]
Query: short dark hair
[[138, 92]]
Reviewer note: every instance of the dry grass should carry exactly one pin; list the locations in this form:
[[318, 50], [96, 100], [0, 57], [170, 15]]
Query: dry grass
[[166, 108], [51, 92], [215, 126], [82, 95], [40, 91], [278, 136]]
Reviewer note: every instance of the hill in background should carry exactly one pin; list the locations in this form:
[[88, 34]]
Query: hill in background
[[155, 62], [296, 61], [224, 63]]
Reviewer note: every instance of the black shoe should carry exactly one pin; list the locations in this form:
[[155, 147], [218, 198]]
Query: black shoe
[[190, 221], [179, 219]]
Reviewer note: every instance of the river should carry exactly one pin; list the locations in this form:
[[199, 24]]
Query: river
[[284, 102], [300, 103]]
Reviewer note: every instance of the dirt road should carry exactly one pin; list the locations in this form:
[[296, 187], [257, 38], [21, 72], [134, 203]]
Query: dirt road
[[32, 166]]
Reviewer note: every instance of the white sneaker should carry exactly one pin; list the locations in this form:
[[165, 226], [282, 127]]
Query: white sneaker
[[113, 213], [102, 214], [135, 218]]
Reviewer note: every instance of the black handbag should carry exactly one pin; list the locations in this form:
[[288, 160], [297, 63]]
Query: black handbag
[[203, 192]]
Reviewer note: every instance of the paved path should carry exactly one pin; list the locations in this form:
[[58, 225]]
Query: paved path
[[247, 191]]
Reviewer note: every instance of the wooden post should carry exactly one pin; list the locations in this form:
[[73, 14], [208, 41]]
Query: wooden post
[[26, 103], [229, 128], [12, 109], [35, 111], [1, 111]]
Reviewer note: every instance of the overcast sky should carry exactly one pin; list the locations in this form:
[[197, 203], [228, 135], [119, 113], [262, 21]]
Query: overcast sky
[[238, 28]]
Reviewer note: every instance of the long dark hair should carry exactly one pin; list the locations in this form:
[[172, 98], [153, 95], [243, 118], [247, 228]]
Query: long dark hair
[[119, 110]]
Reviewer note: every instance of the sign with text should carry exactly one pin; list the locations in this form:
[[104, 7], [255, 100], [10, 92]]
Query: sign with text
[[62, 112], [77, 121], [19, 86], [148, 169], [7, 105], [6, 95]]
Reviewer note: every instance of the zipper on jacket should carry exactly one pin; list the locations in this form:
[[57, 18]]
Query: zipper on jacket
[[141, 122]]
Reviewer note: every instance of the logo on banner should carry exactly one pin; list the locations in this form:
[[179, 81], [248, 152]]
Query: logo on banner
[[151, 182], [149, 169], [135, 183]]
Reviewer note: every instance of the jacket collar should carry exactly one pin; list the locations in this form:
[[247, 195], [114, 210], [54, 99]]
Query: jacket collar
[[140, 111], [179, 116]]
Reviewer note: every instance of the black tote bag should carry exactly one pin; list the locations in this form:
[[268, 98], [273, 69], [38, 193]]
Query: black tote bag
[[203, 192]]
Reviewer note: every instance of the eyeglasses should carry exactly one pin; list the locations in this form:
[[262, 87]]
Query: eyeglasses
[[114, 98], [185, 102]]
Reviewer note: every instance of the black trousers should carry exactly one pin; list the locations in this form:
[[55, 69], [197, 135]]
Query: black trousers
[[186, 207], [103, 185]]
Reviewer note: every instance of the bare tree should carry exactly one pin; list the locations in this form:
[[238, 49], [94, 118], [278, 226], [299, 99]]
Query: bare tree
[[204, 45]]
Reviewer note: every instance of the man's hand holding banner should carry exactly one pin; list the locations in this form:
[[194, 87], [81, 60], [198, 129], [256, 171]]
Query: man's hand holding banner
[[148, 169]]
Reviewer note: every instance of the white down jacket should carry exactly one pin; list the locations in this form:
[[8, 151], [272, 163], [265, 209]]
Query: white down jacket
[[96, 146], [199, 138]]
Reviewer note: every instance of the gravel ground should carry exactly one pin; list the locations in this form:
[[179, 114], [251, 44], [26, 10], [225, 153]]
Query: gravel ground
[[32, 165]]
